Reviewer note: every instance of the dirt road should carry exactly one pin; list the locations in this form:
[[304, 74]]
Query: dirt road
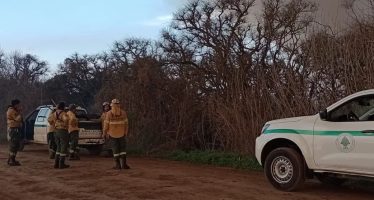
[[93, 178]]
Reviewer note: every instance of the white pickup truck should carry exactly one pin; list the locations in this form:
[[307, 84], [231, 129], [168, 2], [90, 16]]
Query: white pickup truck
[[334, 145], [36, 128]]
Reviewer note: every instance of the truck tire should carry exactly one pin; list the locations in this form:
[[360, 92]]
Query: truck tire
[[329, 180], [94, 150], [285, 169]]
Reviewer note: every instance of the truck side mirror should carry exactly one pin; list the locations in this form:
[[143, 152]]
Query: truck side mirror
[[323, 115]]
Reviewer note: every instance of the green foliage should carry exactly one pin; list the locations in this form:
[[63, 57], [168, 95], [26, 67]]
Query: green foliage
[[221, 159]]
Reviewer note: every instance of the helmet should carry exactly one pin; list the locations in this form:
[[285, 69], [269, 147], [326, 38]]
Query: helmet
[[15, 102], [106, 103], [61, 105], [115, 101]]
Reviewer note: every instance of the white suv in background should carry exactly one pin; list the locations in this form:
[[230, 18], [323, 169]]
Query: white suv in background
[[36, 128]]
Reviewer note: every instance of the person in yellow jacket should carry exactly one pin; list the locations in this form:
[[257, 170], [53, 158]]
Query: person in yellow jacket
[[51, 135], [107, 151], [14, 123], [73, 133], [116, 129], [106, 108], [61, 120]]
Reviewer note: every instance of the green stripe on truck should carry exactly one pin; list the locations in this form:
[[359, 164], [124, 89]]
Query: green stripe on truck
[[309, 132], [289, 131]]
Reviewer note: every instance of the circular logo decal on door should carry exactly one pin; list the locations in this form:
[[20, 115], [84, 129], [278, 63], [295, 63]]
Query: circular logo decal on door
[[345, 142]]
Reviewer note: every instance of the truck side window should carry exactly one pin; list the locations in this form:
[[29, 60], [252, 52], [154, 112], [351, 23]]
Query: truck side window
[[42, 115], [358, 109]]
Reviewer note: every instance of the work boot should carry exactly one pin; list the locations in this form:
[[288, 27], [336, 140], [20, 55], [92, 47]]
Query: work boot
[[57, 161], [62, 163], [12, 161], [52, 155], [118, 164], [123, 162]]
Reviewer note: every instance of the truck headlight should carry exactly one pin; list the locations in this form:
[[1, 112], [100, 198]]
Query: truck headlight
[[266, 126]]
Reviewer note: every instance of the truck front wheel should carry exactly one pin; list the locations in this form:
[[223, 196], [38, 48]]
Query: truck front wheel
[[285, 169]]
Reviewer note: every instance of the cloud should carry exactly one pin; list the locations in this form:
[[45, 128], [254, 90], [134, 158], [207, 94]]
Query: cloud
[[159, 21]]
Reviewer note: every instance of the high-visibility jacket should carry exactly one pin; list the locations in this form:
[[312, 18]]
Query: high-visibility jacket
[[102, 118], [51, 122], [61, 120], [116, 125], [14, 118], [73, 122]]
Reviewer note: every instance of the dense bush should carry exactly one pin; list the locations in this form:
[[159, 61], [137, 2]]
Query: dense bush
[[215, 76]]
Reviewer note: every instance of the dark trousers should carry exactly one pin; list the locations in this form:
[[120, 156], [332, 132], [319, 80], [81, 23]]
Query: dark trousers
[[62, 142], [74, 138], [15, 140], [118, 146], [51, 142]]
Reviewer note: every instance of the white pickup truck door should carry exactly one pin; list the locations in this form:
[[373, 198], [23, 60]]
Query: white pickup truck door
[[345, 142], [40, 127]]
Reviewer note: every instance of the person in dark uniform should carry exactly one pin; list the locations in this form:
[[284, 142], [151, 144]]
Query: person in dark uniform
[[50, 135], [14, 123], [107, 149], [73, 133]]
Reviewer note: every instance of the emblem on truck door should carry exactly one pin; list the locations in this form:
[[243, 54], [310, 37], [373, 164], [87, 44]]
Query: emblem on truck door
[[345, 142]]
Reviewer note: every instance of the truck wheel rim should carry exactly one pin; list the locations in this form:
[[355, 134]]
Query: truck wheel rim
[[282, 170]]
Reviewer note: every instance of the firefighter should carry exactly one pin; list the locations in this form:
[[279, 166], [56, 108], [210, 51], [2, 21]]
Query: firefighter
[[107, 151], [50, 135], [61, 120], [116, 129], [14, 123], [106, 108], [73, 133]]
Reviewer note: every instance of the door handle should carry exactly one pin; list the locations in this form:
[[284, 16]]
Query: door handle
[[368, 131]]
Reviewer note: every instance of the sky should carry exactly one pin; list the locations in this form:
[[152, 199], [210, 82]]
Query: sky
[[55, 29]]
